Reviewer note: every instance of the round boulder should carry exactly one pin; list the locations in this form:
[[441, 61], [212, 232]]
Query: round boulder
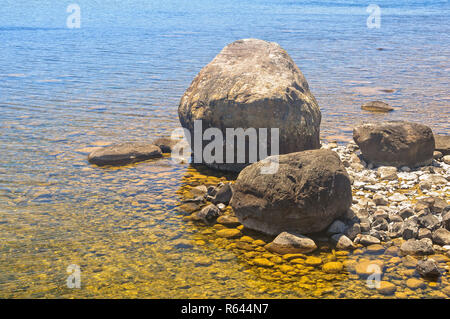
[[307, 193], [251, 84], [395, 143]]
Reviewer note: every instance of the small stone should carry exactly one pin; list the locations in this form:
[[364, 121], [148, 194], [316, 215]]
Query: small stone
[[289, 243], [337, 227], [429, 221], [223, 195], [388, 173], [342, 242], [332, 267], [437, 155], [417, 247], [397, 197], [377, 106], [441, 236], [353, 231], [405, 213], [428, 268], [229, 221], [367, 240], [446, 159], [414, 283], [392, 251], [124, 153], [209, 214], [386, 288], [262, 262], [313, 261], [409, 262], [380, 200], [229, 233], [424, 233]]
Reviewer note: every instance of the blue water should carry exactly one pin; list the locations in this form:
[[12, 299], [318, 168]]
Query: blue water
[[120, 77]]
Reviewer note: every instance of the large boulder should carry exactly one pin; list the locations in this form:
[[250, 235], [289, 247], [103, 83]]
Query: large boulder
[[124, 153], [307, 193], [442, 143], [252, 84], [395, 143]]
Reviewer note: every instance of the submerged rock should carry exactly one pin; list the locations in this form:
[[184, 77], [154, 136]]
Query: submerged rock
[[252, 83], [395, 143], [209, 214], [291, 243], [428, 268], [124, 153], [377, 106], [307, 193]]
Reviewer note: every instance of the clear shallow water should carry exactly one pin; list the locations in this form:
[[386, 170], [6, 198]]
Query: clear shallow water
[[120, 77]]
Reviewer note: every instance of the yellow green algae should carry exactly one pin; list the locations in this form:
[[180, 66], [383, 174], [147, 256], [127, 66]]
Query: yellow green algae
[[127, 230]]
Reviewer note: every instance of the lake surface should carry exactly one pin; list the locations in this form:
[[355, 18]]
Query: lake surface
[[120, 77]]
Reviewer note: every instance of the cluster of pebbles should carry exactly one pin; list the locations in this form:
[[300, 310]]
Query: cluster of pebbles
[[403, 213]]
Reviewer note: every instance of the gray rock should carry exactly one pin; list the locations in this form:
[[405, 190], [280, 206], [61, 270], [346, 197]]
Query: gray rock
[[377, 106], [410, 230], [446, 159], [223, 194], [395, 143], [209, 214], [337, 227], [291, 243], [396, 229], [388, 173], [405, 213], [417, 247], [309, 191], [441, 236], [125, 153], [342, 242], [424, 233], [380, 224], [353, 230], [252, 83], [367, 240], [428, 268], [446, 220], [429, 221]]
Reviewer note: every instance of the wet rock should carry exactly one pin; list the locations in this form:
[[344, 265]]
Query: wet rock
[[125, 153], [414, 283], [308, 192], [442, 143], [291, 243], [375, 249], [252, 83], [166, 144], [209, 214], [223, 194], [263, 262], [368, 267], [441, 236], [386, 288], [377, 106], [313, 261], [229, 233], [417, 247], [332, 267], [428, 268], [229, 221], [409, 262], [342, 242], [367, 240], [395, 143]]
